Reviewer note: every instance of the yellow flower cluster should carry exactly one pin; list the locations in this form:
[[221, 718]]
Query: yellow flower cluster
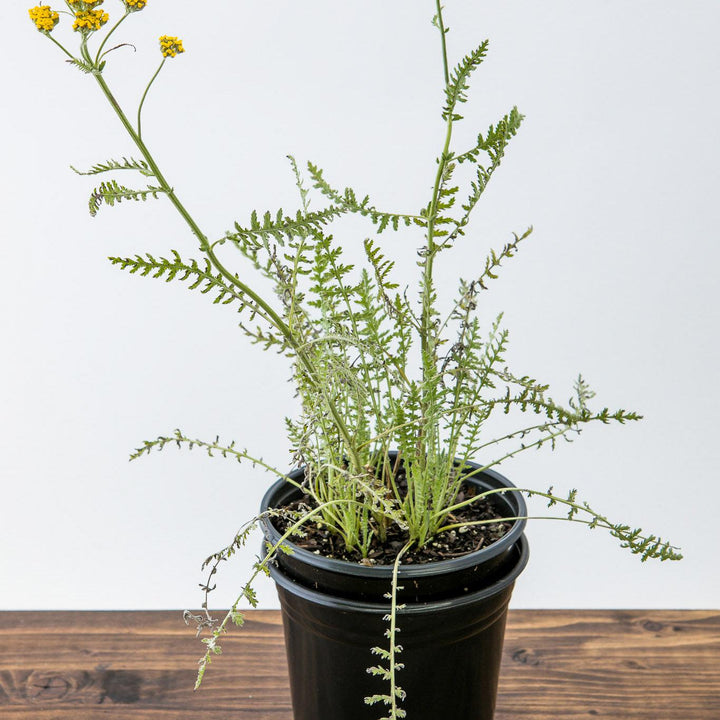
[[170, 46], [89, 20], [134, 5], [84, 5], [44, 18]]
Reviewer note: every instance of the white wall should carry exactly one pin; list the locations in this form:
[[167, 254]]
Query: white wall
[[617, 167]]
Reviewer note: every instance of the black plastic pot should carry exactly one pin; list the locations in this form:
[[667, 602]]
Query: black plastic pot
[[451, 651], [432, 581], [451, 626]]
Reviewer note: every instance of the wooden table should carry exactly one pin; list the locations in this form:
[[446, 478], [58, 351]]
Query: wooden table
[[558, 664]]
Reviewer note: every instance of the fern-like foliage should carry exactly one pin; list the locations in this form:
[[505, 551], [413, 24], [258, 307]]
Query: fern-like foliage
[[348, 200], [647, 546], [494, 259], [281, 227], [458, 85], [389, 657], [85, 67], [495, 141], [439, 209], [200, 275], [466, 303], [125, 164], [112, 192], [382, 267], [211, 447], [205, 621], [493, 145]]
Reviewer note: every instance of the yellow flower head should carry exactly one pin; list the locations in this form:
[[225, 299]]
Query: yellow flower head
[[170, 46], [84, 5], [44, 18], [90, 20], [135, 5]]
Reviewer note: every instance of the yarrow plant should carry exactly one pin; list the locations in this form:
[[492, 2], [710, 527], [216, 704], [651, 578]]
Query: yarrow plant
[[387, 381]]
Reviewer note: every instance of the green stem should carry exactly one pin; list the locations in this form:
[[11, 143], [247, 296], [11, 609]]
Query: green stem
[[234, 280], [443, 32], [428, 336], [496, 491], [224, 450], [144, 95], [270, 553], [112, 30], [84, 52], [598, 520], [69, 54], [394, 630], [456, 526], [550, 437]]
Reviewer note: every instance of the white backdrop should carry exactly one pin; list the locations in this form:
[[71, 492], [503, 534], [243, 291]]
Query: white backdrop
[[617, 167]]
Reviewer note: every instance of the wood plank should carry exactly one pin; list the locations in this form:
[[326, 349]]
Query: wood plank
[[137, 666], [639, 665], [557, 665]]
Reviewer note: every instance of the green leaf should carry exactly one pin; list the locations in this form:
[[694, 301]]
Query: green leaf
[[126, 164], [111, 192], [82, 66], [201, 277], [348, 200], [458, 85], [281, 227], [495, 140]]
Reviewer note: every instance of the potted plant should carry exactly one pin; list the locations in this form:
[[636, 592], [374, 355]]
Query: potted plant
[[393, 518]]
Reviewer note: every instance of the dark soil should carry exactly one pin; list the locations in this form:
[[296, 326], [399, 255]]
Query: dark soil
[[450, 544]]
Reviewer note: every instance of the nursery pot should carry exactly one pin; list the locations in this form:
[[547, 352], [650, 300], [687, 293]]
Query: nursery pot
[[451, 625]]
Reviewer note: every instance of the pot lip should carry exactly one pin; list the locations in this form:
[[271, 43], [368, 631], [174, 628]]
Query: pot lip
[[420, 570], [326, 599]]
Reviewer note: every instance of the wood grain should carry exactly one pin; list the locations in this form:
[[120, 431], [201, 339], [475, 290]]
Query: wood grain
[[652, 665], [557, 665]]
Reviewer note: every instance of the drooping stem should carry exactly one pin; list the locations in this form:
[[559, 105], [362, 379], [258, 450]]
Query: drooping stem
[[394, 649], [260, 567]]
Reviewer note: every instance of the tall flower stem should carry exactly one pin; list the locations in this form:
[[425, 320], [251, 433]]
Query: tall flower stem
[[443, 32], [207, 248], [67, 52], [144, 95], [428, 337]]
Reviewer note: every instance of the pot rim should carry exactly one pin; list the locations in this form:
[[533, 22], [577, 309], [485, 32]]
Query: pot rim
[[493, 480], [326, 599]]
